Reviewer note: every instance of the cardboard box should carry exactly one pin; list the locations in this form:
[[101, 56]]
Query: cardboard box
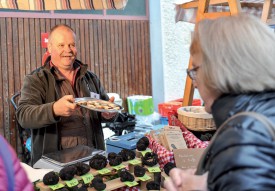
[[188, 158], [155, 134], [174, 140], [172, 128]]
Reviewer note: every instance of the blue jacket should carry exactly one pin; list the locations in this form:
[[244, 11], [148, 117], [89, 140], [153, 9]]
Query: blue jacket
[[242, 156]]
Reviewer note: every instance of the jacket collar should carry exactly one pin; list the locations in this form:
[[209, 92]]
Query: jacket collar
[[227, 105]]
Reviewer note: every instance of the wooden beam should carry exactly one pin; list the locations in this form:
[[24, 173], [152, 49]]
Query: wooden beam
[[235, 6], [215, 15], [189, 89], [266, 10], [194, 4]]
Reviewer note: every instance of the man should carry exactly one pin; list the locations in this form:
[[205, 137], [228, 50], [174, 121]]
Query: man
[[47, 103]]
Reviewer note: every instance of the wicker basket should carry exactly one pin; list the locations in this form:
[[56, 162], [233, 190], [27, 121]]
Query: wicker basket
[[196, 118]]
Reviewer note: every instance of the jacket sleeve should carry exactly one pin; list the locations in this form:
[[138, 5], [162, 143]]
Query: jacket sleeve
[[20, 178], [32, 110]]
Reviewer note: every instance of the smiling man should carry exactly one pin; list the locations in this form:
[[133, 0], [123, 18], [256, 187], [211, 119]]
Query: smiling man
[[47, 103]]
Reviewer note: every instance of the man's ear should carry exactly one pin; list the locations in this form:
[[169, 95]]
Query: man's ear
[[49, 46]]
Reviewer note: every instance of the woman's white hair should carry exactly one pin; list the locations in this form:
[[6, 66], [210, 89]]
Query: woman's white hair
[[238, 54]]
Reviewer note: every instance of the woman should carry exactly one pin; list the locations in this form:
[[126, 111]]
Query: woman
[[233, 69], [12, 175]]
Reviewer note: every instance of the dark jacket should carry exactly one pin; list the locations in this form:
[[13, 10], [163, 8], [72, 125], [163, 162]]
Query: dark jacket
[[242, 157], [35, 108]]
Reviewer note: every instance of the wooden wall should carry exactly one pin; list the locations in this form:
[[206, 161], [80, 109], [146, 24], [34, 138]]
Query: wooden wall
[[118, 51]]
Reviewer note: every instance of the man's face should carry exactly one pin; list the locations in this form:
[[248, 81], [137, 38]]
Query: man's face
[[62, 48]]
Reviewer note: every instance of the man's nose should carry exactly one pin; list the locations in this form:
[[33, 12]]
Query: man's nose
[[68, 48]]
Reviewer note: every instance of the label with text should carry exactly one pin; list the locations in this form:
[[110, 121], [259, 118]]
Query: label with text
[[56, 186], [104, 171], [131, 184], [72, 183], [154, 169], [87, 178]]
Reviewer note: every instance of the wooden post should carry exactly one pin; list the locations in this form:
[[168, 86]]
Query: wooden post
[[266, 11]]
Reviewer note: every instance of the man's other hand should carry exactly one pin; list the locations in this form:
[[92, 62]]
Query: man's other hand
[[112, 99]]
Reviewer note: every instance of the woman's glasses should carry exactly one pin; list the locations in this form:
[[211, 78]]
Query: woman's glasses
[[192, 73]]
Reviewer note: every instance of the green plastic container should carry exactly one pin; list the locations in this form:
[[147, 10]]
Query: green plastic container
[[140, 105]]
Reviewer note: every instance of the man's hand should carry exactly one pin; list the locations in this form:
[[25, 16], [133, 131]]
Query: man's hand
[[112, 99], [65, 106]]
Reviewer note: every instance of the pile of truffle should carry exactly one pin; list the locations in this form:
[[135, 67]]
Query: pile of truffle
[[98, 162]]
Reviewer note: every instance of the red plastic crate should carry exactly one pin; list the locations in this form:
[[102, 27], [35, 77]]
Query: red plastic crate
[[173, 105]]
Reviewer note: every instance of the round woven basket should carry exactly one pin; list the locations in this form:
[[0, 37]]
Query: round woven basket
[[196, 118]]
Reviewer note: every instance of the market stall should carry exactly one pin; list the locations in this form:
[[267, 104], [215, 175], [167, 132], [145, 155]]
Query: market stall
[[194, 10]]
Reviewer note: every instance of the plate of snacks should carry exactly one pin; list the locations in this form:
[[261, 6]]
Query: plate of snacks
[[98, 104]]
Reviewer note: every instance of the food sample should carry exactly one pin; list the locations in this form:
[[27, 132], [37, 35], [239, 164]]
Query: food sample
[[82, 168], [126, 176], [68, 172], [139, 171], [142, 144], [98, 162], [98, 183], [51, 178], [98, 104], [127, 154]]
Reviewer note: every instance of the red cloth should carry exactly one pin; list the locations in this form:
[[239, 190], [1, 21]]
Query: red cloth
[[164, 155], [191, 140], [128, 189]]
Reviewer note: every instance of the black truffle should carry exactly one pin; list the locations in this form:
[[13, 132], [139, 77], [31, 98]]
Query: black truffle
[[83, 188], [112, 155], [142, 144], [82, 168], [126, 176], [98, 183], [98, 162], [152, 185], [139, 171], [68, 172], [51, 178], [127, 154], [114, 159], [149, 159], [168, 166]]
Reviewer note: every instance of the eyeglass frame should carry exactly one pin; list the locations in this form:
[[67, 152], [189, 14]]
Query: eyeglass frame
[[192, 73]]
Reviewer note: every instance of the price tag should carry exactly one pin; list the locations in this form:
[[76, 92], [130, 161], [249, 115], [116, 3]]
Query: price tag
[[71, 183], [131, 184], [145, 178], [56, 186], [134, 162], [118, 167], [87, 178], [154, 169], [104, 171], [146, 151]]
